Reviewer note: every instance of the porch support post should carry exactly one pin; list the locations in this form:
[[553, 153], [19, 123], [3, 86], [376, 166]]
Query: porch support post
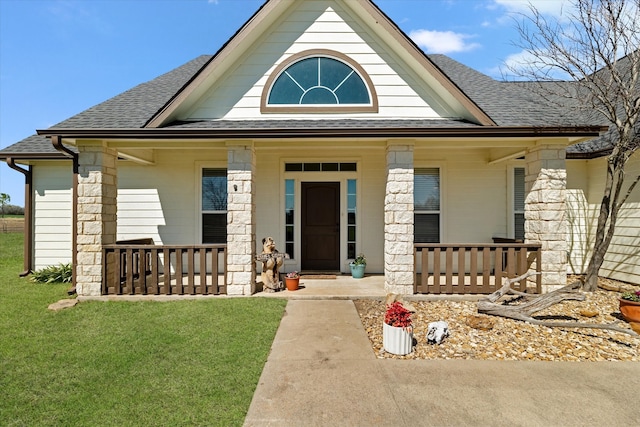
[[398, 219], [241, 225], [96, 222], [545, 211]]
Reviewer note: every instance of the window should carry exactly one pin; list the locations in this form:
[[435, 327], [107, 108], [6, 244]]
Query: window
[[214, 206], [320, 167], [319, 81], [426, 205], [351, 218], [518, 203], [289, 211]]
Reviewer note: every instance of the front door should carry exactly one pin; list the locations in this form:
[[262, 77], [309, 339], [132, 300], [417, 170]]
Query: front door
[[321, 226]]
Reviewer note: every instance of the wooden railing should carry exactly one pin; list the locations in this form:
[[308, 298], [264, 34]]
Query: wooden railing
[[474, 268], [146, 269]]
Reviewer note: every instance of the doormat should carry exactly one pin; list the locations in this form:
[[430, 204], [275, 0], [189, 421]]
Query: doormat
[[318, 276]]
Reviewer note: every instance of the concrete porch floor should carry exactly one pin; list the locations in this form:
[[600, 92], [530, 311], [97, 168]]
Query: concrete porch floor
[[342, 287]]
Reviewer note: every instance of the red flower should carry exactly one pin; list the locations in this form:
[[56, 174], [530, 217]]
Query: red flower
[[398, 316]]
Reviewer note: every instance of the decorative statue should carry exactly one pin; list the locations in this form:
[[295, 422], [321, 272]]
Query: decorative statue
[[437, 332], [271, 260]]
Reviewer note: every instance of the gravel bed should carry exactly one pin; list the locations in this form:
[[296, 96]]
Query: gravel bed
[[511, 339]]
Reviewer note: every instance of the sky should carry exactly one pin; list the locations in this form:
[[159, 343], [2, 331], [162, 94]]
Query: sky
[[60, 57]]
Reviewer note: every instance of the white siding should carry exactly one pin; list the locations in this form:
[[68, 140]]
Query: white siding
[[162, 201], [52, 213], [622, 261], [473, 195], [580, 216], [313, 25]]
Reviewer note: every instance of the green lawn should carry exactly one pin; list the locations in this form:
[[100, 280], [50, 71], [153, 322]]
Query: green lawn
[[124, 363]]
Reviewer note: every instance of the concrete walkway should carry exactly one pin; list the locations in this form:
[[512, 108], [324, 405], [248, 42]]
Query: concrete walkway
[[322, 371]]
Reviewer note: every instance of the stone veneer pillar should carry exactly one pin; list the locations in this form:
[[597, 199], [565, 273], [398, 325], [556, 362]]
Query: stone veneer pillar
[[398, 220], [96, 223], [241, 226], [545, 211]]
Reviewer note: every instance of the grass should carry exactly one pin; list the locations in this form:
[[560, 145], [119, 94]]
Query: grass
[[124, 363]]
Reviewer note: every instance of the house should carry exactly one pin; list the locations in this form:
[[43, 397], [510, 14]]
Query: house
[[322, 125]]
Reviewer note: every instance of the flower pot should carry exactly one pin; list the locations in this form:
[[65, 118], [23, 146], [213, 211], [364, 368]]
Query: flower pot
[[397, 340], [292, 284], [357, 271], [630, 310]]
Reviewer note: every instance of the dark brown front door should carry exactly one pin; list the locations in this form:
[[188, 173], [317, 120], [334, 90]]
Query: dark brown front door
[[321, 226]]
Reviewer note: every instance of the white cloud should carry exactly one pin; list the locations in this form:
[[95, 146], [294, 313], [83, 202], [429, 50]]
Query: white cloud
[[442, 41], [555, 8], [523, 61], [213, 1]]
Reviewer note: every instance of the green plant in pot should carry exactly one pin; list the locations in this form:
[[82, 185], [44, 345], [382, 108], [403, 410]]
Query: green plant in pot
[[357, 266], [630, 306]]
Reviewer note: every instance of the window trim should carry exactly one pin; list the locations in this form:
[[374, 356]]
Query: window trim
[[440, 212], [299, 177], [511, 210], [200, 167], [350, 108]]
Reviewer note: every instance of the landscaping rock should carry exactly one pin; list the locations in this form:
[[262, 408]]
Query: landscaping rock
[[480, 322], [511, 339], [62, 304]]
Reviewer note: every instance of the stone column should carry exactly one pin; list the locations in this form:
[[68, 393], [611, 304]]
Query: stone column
[[96, 222], [398, 219], [545, 211], [241, 226]]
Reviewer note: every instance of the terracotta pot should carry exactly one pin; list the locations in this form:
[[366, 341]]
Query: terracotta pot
[[630, 310], [292, 284]]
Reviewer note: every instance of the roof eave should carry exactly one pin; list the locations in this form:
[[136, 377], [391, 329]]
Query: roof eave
[[32, 156], [388, 132]]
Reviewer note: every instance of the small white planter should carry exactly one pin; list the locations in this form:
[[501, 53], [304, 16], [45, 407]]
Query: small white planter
[[397, 340]]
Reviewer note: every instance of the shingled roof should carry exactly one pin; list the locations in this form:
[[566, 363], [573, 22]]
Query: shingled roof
[[130, 109], [508, 104]]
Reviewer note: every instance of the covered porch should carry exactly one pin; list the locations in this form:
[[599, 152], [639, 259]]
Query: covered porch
[[384, 211]]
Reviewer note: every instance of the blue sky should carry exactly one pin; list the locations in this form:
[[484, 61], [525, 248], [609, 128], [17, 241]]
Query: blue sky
[[60, 57]]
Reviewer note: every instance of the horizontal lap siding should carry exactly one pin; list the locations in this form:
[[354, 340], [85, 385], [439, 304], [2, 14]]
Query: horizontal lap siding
[[622, 261], [52, 213], [474, 195], [161, 201], [580, 216], [238, 94]]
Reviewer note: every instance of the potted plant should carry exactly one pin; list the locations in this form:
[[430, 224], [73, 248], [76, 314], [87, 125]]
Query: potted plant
[[630, 306], [292, 280], [357, 266], [397, 330]]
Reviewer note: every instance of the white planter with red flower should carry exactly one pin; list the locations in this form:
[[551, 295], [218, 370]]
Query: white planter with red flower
[[397, 332]]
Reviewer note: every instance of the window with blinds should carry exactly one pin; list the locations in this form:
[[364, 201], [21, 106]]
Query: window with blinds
[[426, 205], [214, 206], [518, 203]]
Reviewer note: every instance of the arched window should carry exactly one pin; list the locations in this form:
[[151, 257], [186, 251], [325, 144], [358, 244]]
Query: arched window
[[319, 81]]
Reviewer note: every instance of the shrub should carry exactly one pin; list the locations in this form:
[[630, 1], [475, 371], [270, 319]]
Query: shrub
[[12, 210], [60, 273]]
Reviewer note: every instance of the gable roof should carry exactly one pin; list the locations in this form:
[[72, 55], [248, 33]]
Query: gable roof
[[144, 111], [253, 29]]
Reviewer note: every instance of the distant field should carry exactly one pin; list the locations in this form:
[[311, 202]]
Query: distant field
[[12, 224]]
